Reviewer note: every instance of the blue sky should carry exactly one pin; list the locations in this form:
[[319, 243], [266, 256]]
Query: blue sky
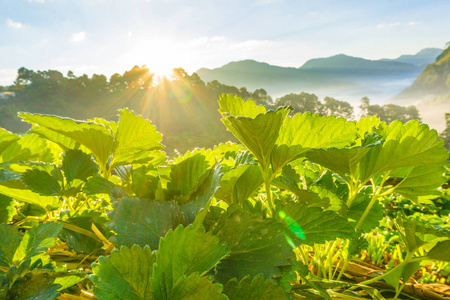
[[108, 36]]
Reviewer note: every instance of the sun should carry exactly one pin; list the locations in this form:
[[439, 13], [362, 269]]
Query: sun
[[160, 55]]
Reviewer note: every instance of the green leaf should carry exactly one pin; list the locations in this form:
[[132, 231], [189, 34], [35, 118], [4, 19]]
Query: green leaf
[[257, 246], [35, 285], [303, 132], [236, 106], [239, 183], [201, 197], [78, 165], [405, 145], [98, 185], [186, 176], [94, 137], [41, 182], [318, 225], [38, 239], [404, 273], [257, 130], [196, 287], [9, 242], [343, 161], [253, 289], [359, 206], [145, 182], [416, 234], [124, 275], [148, 221], [28, 147], [6, 139], [79, 242], [64, 142], [421, 181], [183, 252], [440, 251], [6, 209], [135, 140], [28, 196]]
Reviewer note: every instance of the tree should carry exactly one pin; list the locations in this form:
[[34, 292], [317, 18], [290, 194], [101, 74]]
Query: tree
[[338, 108], [302, 102], [117, 83], [139, 78], [389, 112]]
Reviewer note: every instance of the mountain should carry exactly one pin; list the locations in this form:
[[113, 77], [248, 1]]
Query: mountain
[[421, 58], [434, 81], [346, 77], [274, 79], [350, 66]]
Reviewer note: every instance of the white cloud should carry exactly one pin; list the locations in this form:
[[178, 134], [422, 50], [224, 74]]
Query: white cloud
[[37, 1], [414, 23], [264, 2], [78, 37], [13, 24], [386, 25]]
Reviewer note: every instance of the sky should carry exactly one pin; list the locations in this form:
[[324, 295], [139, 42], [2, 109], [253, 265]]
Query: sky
[[111, 36]]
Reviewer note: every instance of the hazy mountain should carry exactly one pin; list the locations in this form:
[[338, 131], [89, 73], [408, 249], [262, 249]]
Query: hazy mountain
[[350, 66], [345, 77], [274, 79], [434, 81], [421, 58]]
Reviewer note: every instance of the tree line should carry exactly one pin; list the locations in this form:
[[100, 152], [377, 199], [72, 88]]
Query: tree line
[[183, 106]]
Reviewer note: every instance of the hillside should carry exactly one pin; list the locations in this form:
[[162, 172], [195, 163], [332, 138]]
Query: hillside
[[276, 80], [347, 77], [349, 65], [421, 58], [434, 81]]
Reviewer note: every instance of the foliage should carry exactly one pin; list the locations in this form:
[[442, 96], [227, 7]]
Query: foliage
[[231, 222]]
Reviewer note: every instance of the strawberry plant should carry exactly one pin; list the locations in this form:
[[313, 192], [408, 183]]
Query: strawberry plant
[[95, 209]]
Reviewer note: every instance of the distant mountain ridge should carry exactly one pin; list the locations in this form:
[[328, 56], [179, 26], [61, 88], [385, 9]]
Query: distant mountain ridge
[[421, 58], [434, 81], [339, 75]]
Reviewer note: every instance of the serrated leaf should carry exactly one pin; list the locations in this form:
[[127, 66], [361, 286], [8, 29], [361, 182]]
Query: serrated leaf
[[6, 139], [61, 140], [421, 181], [342, 161], [257, 245], [6, 209], [202, 195], [239, 183], [196, 287], [28, 196], [9, 241], [318, 225], [34, 285], [255, 128], [28, 147], [183, 252], [147, 220], [303, 132], [41, 182], [253, 289], [124, 275], [78, 165], [441, 251], [38, 239], [358, 207], [98, 185], [186, 176], [236, 106], [134, 140], [145, 182], [77, 241], [94, 137], [405, 145]]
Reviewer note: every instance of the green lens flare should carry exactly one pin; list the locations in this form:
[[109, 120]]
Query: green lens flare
[[292, 224]]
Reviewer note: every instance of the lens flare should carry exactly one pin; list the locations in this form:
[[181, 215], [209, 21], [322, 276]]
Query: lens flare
[[292, 224]]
